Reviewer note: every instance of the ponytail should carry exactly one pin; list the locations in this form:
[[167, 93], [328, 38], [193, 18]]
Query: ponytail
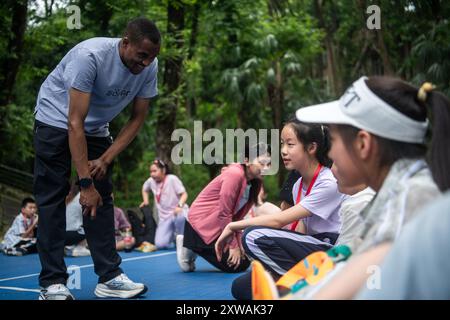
[[439, 151]]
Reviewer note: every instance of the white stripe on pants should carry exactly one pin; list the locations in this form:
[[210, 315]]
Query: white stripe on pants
[[282, 249]]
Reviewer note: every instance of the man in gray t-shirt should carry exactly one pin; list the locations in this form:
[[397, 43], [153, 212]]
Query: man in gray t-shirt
[[90, 86]]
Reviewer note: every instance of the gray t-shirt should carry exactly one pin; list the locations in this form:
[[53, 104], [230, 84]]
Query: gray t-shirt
[[94, 66], [417, 265]]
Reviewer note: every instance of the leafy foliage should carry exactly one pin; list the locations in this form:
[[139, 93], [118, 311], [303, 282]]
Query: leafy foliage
[[244, 63]]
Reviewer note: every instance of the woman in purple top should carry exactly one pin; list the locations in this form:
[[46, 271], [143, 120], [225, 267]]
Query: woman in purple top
[[170, 199], [314, 219]]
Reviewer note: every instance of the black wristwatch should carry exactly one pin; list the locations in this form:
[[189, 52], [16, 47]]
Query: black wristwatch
[[85, 183]]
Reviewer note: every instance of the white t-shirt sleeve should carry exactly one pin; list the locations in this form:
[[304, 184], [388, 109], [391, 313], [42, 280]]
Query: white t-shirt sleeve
[[150, 87], [323, 199], [19, 227], [147, 187], [177, 185]]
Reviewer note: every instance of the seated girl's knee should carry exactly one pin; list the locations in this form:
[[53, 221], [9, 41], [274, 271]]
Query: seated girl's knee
[[252, 232], [248, 230], [162, 244]]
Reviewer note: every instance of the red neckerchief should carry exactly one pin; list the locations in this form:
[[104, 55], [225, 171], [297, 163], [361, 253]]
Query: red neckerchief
[[158, 195], [299, 195]]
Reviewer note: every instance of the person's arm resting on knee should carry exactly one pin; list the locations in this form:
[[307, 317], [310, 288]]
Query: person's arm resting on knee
[[99, 166]]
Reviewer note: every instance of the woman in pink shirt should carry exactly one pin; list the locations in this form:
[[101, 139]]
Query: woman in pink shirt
[[225, 199]]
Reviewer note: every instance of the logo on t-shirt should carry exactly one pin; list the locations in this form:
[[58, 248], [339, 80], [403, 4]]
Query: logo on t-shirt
[[117, 93]]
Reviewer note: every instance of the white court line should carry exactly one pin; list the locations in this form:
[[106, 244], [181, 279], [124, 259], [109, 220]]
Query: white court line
[[91, 265], [20, 289]]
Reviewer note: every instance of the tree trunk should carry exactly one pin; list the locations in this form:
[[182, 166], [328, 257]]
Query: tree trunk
[[387, 66], [167, 111], [48, 7], [105, 17], [332, 63], [11, 63], [277, 7], [275, 94], [374, 41], [190, 103], [275, 91], [194, 30]]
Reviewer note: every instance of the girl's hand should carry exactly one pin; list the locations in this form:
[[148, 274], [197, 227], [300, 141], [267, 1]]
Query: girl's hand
[[178, 210], [222, 243], [234, 258], [143, 204]]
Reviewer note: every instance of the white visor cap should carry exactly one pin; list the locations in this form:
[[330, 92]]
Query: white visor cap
[[361, 108]]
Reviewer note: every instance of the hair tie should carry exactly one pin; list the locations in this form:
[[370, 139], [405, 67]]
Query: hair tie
[[424, 89]]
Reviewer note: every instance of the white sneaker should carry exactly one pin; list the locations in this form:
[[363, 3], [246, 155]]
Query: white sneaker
[[185, 257], [55, 292], [80, 251], [120, 287], [76, 251], [68, 250]]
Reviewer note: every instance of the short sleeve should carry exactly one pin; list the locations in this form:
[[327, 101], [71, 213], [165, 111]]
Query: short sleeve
[[323, 200], [147, 187], [19, 226], [81, 71], [177, 185], [150, 87]]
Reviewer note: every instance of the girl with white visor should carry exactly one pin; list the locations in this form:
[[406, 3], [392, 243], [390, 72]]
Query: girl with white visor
[[380, 131]]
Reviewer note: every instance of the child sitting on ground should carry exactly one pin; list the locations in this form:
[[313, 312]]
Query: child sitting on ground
[[124, 238], [20, 238]]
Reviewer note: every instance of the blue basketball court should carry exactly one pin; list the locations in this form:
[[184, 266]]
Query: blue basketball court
[[158, 270]]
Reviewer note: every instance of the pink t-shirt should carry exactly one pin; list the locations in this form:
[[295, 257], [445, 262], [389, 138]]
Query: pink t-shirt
[[170, 194], [219, 203]]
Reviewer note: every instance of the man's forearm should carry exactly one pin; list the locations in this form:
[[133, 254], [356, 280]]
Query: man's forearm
[[78, 148], [126, 135]]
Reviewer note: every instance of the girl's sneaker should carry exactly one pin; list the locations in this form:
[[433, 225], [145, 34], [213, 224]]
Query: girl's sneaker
[[185, 257], [146, 247]]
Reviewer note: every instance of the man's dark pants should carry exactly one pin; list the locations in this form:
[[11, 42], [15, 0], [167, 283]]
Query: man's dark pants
[[52, 168]]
